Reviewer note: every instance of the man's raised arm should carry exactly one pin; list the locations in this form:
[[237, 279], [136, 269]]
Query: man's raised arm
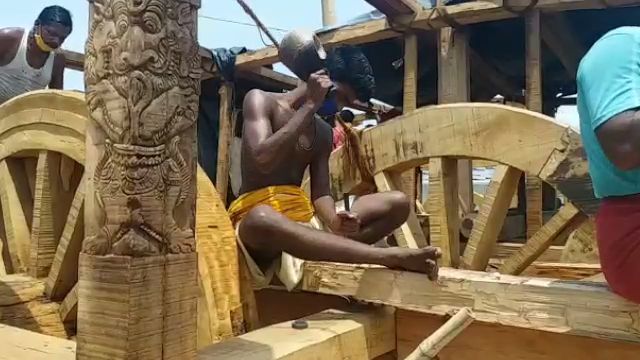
[[268, 147]]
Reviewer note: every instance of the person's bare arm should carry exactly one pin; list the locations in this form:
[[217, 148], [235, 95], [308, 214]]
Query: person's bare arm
[[9, 42], [320, 184], [268, 147], [620, 139], [57, 75]]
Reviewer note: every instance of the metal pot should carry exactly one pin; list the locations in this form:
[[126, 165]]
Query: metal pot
[[302, 52]]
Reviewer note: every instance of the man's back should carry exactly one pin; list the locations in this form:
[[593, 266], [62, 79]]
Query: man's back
[[608, 84]]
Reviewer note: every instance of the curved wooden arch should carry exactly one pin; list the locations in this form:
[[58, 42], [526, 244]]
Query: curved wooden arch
[[28, 122], [526, 140], [520, 140], [54, 121]]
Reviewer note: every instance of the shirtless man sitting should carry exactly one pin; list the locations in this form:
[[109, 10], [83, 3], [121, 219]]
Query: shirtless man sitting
[[282, 135], [28, 60]]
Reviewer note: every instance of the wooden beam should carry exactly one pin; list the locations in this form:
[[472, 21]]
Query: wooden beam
[[331, 334], [563, 223], [483, 341], [533, 303], [395, 8], [75, 61], [558, 35], [454, 86], [444, 221], [28, 345], [555, 270], [427, 19], [534, 103], [225, 135], [410, 103], [488, 223], [410, 234], [504, 250]]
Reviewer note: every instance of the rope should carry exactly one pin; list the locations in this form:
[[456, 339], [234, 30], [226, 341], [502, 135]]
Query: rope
[[511, 9], [353, 155]]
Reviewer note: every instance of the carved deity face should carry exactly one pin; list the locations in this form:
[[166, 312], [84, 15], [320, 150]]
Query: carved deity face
[[142, 59]]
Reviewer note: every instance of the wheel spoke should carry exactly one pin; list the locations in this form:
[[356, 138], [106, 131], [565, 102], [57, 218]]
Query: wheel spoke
[[442, 206], [488, 223], [410, 233], [69, 306], [64, 269], [560, 225], [16, 211], [47, 210], [534, 205]]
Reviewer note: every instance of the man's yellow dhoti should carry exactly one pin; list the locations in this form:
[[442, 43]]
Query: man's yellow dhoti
[[290, 201]]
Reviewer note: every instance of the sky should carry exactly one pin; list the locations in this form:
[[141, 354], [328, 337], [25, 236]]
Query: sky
[[212, 32]]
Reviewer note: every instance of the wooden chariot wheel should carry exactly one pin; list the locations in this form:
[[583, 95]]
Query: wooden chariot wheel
[[42, 155], [517, 140]]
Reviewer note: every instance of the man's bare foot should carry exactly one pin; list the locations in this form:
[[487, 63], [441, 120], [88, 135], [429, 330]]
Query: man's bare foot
[[418, 260]]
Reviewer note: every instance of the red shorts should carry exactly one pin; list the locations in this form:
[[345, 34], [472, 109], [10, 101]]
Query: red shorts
[[618, 233]]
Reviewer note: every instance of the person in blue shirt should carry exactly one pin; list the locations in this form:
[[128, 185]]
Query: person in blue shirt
[[609, 108]]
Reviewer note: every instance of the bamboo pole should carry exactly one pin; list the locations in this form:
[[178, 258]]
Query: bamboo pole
[[431, 346]]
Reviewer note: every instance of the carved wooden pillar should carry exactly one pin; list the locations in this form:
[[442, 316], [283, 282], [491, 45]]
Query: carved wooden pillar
[[138, 266]]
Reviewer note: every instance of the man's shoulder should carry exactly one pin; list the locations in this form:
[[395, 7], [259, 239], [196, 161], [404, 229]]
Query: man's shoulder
[[11, 33]]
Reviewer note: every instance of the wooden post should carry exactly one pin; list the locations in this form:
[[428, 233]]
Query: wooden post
[[453, 86], [138, 267], [450, 180], [534, 103], [224, 141], [409, 103], [328, 12]]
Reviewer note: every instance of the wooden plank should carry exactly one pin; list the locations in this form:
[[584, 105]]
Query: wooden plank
[[490, 219], [331, 334], [410, 233], [560, 38], [454, 86], [482, 341], [224, 140], [28, 345], [563, 223], [444, 221], [534, 102], [535, 303]]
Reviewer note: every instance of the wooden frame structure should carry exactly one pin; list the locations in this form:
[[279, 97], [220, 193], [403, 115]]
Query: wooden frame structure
[[443, 139]]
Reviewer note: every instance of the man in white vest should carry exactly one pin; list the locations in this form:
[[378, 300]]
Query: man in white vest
[[29, 59]]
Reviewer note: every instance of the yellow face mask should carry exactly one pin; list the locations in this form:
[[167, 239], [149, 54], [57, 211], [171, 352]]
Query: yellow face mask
[[41, 44]]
